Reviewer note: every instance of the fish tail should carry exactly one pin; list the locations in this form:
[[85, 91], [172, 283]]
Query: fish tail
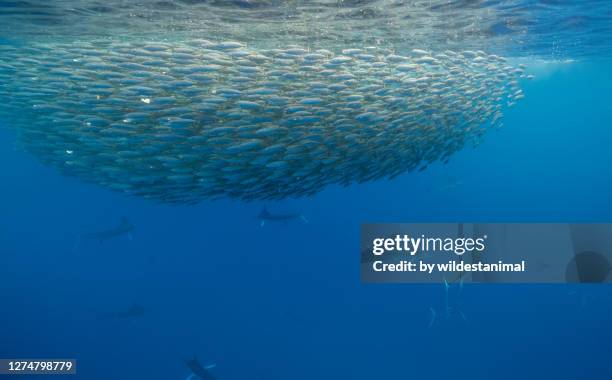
[[303, 218], [433, 317]]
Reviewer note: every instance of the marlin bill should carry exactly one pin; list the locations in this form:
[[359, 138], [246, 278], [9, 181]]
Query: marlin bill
[[185, 121]]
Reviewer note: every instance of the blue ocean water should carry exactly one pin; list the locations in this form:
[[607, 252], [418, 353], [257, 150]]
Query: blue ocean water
[[284, 301]]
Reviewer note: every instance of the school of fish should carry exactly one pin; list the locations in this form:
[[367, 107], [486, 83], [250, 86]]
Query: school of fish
[[186, 121]]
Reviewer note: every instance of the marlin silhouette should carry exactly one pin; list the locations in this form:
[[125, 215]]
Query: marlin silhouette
[[450, 309], [198, 370], [266, 216], [124, 228]]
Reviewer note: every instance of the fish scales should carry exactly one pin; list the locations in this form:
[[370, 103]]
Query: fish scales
[[182, 122]]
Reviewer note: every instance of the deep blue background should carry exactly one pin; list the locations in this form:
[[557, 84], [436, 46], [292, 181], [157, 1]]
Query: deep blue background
[[285, 301]]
